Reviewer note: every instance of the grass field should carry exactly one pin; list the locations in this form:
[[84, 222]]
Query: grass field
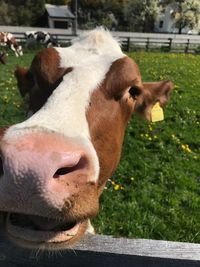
[[155, 192]]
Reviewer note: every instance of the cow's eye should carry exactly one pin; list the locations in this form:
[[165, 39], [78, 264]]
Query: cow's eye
[[134, 92]]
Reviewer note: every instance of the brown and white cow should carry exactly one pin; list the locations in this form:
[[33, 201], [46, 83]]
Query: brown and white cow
[[55, 164], [9, 40]]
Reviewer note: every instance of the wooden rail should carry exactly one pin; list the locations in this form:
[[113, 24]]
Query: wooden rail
[[100, 251], [164, 44], [184, 44]]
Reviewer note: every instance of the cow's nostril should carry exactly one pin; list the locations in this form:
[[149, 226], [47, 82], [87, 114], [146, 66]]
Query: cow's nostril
[[82, 164], [63, 171]]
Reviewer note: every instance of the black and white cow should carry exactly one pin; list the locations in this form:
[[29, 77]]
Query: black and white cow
[[42, 37]]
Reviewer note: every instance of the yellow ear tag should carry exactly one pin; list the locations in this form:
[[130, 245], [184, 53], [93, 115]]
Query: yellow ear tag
[[157, 113]]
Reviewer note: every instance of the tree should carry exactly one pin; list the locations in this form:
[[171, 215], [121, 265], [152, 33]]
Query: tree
[[99, 12], [140, 15], [5, 18], [58, 2], [186, 13], [24, 12]]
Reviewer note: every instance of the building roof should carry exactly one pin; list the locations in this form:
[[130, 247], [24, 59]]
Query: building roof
[[59, 11]]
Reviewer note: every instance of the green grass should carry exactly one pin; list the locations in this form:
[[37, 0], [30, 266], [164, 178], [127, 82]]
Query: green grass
[[12, 107], [155, 192]]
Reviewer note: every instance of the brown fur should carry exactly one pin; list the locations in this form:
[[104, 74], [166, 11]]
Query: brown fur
[[41, 78]]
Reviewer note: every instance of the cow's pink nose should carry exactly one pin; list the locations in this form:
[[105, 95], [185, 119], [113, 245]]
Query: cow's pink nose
[[46, 165], [69, 162]]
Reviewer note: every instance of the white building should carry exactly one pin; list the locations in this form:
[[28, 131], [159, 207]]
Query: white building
[[165, 21]]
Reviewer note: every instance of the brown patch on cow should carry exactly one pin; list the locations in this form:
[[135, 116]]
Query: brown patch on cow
[[83, 205], [24, 80], [43, 76], [110, 108], [123, 73]]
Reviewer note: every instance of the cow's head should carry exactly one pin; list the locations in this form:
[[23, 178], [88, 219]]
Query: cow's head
[[55, 164]]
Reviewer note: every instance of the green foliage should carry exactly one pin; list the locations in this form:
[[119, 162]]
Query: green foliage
[[100, 12], [22, 12], [140, 15], [58, 2], [121, 14], [186, 13], [155, 192], [12, 107], [197, 51], [5, 19]]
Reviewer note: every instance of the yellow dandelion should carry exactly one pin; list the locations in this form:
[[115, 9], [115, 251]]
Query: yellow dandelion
[[116, 187], [183, 147]]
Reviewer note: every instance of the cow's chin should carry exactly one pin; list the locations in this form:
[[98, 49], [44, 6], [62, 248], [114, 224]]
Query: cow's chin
[[47, 234]]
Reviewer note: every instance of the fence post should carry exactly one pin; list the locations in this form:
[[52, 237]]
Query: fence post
[[187, 46], [128, 44], [170, 44], [147, 44]]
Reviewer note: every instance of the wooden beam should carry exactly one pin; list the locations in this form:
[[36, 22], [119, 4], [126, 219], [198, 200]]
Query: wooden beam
[[100, 251]]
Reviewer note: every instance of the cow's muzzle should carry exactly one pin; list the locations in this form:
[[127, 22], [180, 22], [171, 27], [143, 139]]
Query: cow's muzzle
[[48, 188]]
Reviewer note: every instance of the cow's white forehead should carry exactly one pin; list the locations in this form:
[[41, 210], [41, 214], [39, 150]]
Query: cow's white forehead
[[65, 111], [88, 46], [90, 56]]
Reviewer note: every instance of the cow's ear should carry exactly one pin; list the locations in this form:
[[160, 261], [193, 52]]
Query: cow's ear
[[150, 94], [24, 80]]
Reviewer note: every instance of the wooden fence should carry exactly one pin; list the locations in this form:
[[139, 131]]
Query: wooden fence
[[185, 45], [100, 251], [179, 44]]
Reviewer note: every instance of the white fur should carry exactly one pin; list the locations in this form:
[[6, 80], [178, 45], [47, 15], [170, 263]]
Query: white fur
[[9, 36], [91, 56]]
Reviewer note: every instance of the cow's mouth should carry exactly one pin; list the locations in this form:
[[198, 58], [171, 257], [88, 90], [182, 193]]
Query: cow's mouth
[[39, 230]]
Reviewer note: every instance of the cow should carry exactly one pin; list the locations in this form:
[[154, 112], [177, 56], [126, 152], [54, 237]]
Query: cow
[[8, 39], [3, 57], [55, 164], [41, 37]]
